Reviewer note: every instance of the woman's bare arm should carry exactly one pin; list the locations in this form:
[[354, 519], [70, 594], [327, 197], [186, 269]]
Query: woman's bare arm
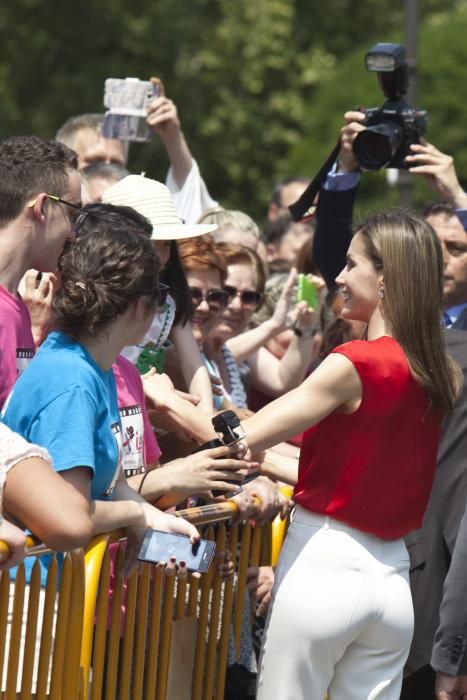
[[333, 384], [194, 371], [54, 511]]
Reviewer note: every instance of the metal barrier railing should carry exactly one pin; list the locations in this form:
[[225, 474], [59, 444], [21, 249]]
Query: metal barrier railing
[[162, 634]]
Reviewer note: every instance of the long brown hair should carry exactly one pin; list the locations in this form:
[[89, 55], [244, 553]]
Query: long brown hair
[[409, 253]]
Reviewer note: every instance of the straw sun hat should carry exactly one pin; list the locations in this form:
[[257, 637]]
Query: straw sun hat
[[153, 200]]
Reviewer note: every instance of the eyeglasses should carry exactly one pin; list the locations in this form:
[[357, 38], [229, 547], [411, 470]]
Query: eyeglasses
[[249, 297], [216, 299], [160, 294], [77, 213]]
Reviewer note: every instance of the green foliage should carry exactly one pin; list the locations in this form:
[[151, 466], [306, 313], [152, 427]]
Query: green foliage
[[442, 53], [260, 84]]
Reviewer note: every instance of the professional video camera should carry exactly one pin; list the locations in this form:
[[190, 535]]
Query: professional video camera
[[394, 127]]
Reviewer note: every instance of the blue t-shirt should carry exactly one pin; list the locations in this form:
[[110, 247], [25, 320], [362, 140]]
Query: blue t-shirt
[[65, 402]]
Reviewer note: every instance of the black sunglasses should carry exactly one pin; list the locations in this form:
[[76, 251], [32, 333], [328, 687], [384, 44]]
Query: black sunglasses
[[216, 298], [160, 294], [249, 297]]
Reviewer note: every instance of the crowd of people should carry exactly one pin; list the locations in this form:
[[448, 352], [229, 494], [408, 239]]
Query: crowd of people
[[132, 311]]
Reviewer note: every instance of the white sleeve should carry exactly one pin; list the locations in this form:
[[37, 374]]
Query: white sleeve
[[193, 198], [13, 449]]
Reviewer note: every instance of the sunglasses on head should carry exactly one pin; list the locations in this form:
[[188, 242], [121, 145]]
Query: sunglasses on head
[[249, 297], [216, 298]]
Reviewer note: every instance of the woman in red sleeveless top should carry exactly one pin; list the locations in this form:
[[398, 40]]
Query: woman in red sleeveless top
[[341, 619]]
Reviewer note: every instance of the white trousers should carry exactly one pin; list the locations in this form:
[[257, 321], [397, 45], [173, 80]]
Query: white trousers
[[341, 620]]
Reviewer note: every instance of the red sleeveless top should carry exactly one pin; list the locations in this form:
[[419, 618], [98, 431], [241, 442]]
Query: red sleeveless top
[[373, 469]]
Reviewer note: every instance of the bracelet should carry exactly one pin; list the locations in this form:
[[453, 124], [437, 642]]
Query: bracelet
[[141, 483], [308, 333]]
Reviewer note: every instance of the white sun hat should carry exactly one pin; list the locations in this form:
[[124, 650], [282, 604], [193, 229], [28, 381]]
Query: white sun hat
[[153, 200]]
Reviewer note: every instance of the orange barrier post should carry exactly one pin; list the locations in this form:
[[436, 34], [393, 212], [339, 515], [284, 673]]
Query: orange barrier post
[[214, 619], [128, 637], [245, 539], [141, 629], [102, 606], [167, 613], [226, 620], [31, 630], [154, 632]]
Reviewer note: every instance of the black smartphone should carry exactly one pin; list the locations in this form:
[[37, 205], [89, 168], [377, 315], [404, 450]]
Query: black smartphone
[[160, 546]]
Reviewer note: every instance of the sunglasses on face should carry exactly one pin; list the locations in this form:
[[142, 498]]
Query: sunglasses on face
[[159, 295], [216, 298], [249, 297], [162, 294]]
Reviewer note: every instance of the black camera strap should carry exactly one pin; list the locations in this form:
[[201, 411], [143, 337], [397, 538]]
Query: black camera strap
[[300, 209]]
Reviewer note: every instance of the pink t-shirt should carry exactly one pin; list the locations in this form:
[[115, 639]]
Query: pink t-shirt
[[16, 341], [139, 446], [139, 442]]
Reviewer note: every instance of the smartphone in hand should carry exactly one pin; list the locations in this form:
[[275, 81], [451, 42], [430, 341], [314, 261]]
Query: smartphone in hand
[[160, 546], [307, 291]]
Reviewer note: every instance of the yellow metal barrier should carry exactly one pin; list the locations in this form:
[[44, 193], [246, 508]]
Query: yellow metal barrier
[[163, 634], [279, 529], [41, 629]]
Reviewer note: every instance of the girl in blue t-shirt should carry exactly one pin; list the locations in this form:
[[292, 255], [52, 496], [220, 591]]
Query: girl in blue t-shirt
[[66, 400]]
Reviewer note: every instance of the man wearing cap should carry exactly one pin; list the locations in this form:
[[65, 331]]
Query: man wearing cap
[[152, 199], [40, 194]]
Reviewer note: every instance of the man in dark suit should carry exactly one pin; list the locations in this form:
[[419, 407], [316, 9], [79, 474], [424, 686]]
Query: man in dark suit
[[442, 216], [438, 551]]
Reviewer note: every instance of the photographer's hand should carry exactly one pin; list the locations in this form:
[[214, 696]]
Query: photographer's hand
[[349, 132], [439, 171]]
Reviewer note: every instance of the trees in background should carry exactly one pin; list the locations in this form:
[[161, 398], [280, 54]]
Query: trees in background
[[260, 84]]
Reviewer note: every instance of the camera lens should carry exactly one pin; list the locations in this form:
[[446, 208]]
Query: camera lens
[[375, 146]]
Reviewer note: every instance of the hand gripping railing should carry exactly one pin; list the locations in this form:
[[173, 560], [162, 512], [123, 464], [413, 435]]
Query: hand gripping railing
[[170, 641]]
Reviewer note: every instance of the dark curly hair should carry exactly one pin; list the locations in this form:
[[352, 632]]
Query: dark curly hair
[[29, 165], [103, 273], [115, 216]]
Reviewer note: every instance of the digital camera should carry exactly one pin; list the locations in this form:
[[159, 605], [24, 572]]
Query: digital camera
[[394, 127]]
